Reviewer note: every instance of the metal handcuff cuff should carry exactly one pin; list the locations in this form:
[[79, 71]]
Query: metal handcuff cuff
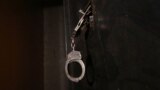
[[75, 56]]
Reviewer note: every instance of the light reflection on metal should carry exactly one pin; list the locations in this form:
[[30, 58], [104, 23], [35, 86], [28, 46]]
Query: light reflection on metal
[[75, 56]]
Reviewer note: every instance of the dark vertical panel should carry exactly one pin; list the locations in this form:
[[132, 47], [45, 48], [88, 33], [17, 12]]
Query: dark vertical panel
[[21, 46], [54, 49]]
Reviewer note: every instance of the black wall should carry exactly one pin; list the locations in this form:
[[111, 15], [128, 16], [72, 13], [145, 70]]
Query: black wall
[[122, 51]]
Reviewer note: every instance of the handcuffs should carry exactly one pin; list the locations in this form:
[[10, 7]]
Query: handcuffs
[[75, 56]]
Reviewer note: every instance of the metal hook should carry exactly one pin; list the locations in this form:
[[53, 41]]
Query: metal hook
[[80, 22]]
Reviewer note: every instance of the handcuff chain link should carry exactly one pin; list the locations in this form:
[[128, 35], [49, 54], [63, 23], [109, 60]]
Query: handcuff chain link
[[73, 44]]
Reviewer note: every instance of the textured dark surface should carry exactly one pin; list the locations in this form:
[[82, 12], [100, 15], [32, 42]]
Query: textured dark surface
[[122, 52], [51, 3], [54, 47]]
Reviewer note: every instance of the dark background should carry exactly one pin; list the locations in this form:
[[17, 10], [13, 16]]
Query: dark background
[[34, 40], [122, 51], [22, 42]]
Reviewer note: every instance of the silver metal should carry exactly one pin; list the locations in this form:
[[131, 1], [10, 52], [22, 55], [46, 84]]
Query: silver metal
[[91, 18], [75, 56], [80, 22], [73, 44], [81, 11]]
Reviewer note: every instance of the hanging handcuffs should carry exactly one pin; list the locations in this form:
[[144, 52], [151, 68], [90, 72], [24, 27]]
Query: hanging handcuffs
[[75, 56]]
